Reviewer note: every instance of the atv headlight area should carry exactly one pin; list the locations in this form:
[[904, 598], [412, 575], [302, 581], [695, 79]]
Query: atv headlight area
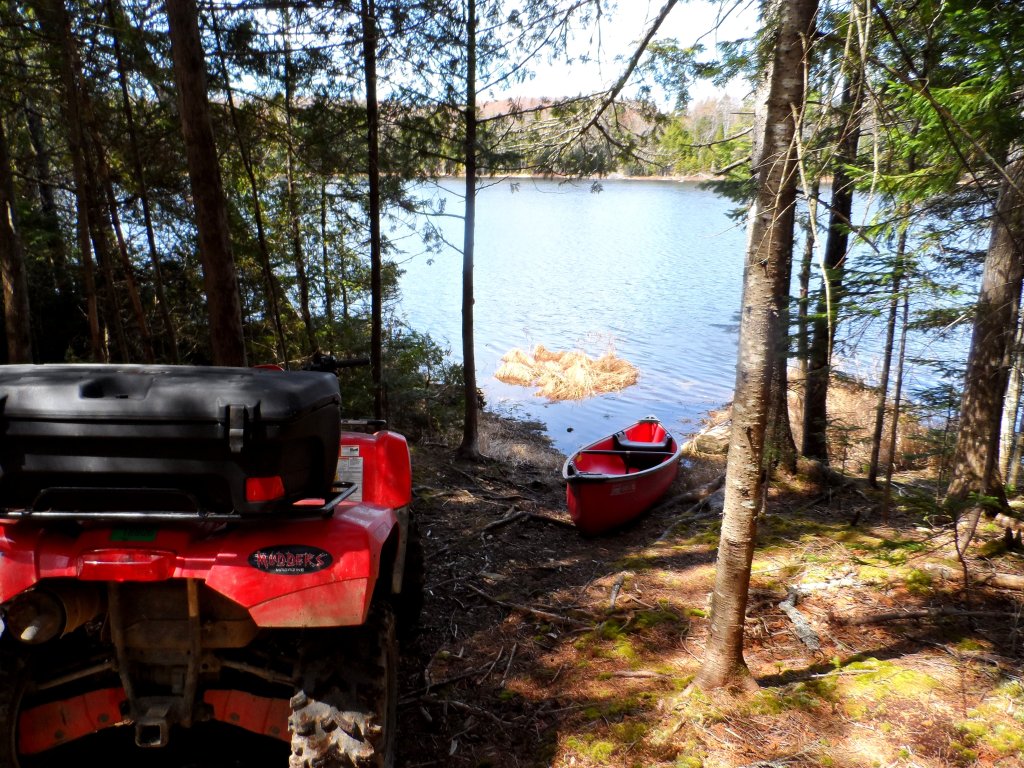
[[41, 614]]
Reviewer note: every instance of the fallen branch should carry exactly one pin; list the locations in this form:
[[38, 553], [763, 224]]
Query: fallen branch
[[522, 514], [554, 618], [694, 494], [1000, 580], [921, 613], [803, 629]]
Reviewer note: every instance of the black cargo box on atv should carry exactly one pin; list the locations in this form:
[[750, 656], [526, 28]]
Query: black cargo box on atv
[[95, 439]]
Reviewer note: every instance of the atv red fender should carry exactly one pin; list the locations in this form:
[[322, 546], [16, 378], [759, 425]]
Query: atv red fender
[[286, 573]]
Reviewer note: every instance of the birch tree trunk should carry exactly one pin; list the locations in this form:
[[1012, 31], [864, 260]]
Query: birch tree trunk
[[770, 245]]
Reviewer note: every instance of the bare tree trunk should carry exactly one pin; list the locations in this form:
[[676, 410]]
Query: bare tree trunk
[[17, 315], [883, 383], [815, 442], [293, 203], [143, 188], [897, 395], [111, 220], [55, 19], [244, 151], [369, 18], [326, 256], [1011, 403], [770, 244], [804, 281], [469, 447], [974, 461], [220, 278]]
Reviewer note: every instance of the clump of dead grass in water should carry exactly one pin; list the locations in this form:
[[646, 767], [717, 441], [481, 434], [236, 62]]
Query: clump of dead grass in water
[[571, 375]]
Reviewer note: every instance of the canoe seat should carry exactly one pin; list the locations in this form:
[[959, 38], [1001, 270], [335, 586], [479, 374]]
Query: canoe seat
[[623, 443]]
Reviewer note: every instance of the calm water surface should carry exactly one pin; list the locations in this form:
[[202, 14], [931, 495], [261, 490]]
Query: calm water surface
[[650, 269]]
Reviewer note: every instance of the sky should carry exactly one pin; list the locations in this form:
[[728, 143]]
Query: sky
[[690, 22]]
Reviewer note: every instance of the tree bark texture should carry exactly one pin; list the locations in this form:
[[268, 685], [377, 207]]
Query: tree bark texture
[[244, 150], [981, 406], [369, 15], [815, 443], [470, 430], [887, 352], [1011, 403], [171, 338], [770, 245], [17, 317], [220, 278], [54, 16]]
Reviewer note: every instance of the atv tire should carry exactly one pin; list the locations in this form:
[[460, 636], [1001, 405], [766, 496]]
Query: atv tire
[[13, 677], [344, 714]]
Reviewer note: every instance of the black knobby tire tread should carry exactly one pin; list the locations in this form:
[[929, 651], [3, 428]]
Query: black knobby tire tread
[[343, 714], [14, 668], [409, 603]]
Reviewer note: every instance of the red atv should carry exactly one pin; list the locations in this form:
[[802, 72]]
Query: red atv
[[183, 544]]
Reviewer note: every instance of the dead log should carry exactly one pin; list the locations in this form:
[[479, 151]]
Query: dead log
[[999, 580], [800, 625], [920, 613]]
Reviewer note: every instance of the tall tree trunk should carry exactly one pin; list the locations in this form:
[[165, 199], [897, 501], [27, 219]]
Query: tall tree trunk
[[470, 430], [1011, 403], [110, 220], [977, 446], [55, 246], [804, 285], [897, 395], [163, 306], [770, 243], [17, 317], [220, 278], [815, 443], [245, 152], [326, 257], [294, 220], [883, 381], [369, 18], [54, 16]]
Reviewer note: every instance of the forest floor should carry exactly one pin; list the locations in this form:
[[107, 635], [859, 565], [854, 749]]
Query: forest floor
[[540, 647]]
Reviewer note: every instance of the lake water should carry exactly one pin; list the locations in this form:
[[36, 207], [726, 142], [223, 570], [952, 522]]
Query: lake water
[[650, 269]]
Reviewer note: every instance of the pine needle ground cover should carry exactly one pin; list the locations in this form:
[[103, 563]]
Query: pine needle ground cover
[[543, 649], [570, 375]]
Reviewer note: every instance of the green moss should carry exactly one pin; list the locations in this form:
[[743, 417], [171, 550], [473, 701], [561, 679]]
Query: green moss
[[598, 750], [881, 679], [648, 619], [918, 582], [998, 737], [806, 696]]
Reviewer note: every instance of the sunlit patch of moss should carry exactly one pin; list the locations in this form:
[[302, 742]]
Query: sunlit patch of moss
[[656, 617], [968, 644], [638, 562], [697, 613], [807, 697], [918, 582], [871, 574], [688, 761], [598, 750], [881, 679], [630, 732]]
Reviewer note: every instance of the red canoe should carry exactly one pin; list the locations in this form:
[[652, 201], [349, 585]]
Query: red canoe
[[613, 480]]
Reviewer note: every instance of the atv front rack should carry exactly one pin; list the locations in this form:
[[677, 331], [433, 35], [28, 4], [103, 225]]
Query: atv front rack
[[300, 510]]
